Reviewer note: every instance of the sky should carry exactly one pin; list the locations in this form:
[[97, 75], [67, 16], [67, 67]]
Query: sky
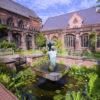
[[49, 8]]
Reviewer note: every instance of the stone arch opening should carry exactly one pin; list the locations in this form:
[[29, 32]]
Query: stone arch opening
[[3, 35], [10, 22], [29, 41], [69, 40], [85, 40], [21, 24], [0, 21], [17, 39]]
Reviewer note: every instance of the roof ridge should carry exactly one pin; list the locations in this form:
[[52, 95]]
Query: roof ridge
[[71, 12], [21, 5], [15, 6]]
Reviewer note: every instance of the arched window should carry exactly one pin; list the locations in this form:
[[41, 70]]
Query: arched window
[[29, 41], [69, 40], [0, 21], [98, 41], [10, 22], [17, 39], [85, 40], [20, 24]]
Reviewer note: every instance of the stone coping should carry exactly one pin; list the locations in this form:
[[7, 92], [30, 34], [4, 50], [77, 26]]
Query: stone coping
[[12, 58]]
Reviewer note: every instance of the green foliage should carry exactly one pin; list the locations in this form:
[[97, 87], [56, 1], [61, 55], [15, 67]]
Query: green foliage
[[40, 61], [40, 40], [44, 51], [87, 53], [22, 79], [74, 96], [5, 44], [58, 97], [2, 26], [92, 78], [92, 40], [58, 45], [95, 93], [62, 52], [5, 79]]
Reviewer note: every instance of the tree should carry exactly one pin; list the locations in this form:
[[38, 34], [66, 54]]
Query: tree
[[2, 26], [92, 41], [58, 45], [40, 40]]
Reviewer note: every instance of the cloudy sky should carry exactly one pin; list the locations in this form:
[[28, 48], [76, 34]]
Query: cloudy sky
[[48, 8]]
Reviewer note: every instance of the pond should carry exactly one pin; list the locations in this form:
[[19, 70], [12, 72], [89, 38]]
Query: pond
[[45, 89]]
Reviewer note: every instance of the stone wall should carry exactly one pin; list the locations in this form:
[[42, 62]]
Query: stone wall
[[29, 26], [77, 32]]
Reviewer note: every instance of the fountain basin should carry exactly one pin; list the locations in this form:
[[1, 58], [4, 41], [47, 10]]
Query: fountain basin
[[59, 71]]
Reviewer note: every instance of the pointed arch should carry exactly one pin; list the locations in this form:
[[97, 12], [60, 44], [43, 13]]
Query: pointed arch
[[9, 22], [69, 40]]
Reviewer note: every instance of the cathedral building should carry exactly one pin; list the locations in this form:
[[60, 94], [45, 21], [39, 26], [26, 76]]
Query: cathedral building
[[20, 24], [74, 28]]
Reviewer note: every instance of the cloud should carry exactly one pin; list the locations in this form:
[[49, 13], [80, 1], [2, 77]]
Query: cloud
[[51, 14], [45, 4], [87, 3], [49, 8]]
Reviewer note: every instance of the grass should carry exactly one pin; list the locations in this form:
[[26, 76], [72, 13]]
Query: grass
[[24, 52]]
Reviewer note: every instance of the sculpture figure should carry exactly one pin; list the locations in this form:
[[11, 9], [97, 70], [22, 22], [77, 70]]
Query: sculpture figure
[[52, 56]]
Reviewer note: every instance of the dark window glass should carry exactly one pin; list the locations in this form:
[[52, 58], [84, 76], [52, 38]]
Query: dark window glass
[[10, 22], [69, 40], [20, 24], [85, 40]]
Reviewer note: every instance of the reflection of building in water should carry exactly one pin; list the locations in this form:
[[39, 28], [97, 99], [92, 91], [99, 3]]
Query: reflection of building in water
[[73, 28], [21, 24]]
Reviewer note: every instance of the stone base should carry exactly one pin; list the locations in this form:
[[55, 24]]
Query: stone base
[[59, 72]]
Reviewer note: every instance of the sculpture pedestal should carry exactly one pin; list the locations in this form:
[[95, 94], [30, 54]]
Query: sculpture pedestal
[[60, 71]]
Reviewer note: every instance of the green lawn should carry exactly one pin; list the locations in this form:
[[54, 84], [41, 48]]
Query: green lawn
[[24, 52]]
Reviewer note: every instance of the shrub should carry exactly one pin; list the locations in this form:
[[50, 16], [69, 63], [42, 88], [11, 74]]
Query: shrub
[[74, 96], [40, 40], [5, 79], [5, 44]]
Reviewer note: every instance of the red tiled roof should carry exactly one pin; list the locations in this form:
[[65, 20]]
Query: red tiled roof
[[6, 94]]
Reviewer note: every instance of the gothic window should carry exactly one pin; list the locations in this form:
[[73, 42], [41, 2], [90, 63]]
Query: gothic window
[[29, 42], [69, 40], [17, 39], [98, 41], [20, 24], [85, 40], [10, 22]]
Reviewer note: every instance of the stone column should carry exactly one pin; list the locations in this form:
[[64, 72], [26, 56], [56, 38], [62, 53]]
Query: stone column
[[23, 41], [33, 42], [77, 42], [9, 38]]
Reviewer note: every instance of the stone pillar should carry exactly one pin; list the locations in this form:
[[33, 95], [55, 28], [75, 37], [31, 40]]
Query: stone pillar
[[33, 42], [77, 42], [62, 39], [23, 41], [9, 38]]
